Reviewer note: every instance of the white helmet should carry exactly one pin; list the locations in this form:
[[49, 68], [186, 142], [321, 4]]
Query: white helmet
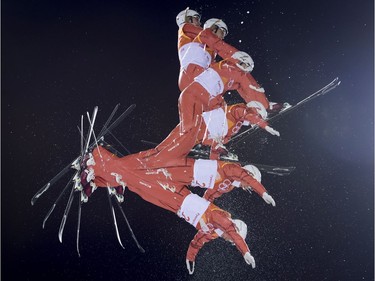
[[244, 61], [218, 22], [259, 107], [182, 16], [241, 228], [254, 171]]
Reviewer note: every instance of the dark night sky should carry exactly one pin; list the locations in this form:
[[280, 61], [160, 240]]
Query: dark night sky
[[60, 60]]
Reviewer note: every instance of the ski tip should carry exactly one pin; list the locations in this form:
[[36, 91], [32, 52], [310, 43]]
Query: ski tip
[[141, 250]]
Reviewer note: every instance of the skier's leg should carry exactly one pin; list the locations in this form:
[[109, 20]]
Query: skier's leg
[[188, 74]]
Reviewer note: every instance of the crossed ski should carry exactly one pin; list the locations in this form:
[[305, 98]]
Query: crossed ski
[[196, 153], [76, 164]]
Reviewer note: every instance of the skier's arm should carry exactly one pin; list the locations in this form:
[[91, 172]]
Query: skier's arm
[[237, 173], [220, 219], [250, 90], [208, 38], [241, 112], [190, 30], [197, 243]]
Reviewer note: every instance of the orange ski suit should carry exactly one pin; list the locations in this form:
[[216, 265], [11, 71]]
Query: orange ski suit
[[163, 187], [196, 99], [197, 49], [232, 175], [209, 234], [221, 124]]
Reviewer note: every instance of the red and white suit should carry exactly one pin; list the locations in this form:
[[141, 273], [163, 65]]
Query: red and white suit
[[198, 98], [164, 187], [197, 49], [220, 124]]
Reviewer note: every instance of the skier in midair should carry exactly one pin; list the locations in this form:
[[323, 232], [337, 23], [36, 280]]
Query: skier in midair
[[195, 100], [196, 56], [163, 187], [218, 177], [211, 233], [221, 124]]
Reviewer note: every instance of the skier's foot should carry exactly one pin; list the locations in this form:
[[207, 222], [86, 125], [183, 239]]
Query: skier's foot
[[218, 152], [229, 157], [118, 191], [77, 182], [83, 180], [275, 108], [88, 160]]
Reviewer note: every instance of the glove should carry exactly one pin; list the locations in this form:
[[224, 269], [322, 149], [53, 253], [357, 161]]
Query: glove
[[249, 259], [272, 131], [268, 198], [190, 268]]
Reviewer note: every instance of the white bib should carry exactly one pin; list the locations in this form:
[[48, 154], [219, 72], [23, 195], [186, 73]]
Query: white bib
[[193, 208], [204, 173], [194, 53], [211, 81], [216, 123]]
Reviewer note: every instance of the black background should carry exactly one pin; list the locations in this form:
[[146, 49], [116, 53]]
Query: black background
[[61, 58]]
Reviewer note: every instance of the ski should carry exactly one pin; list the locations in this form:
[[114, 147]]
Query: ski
[[199, 152], [130, 229], [78, 226], [91, 130], [275, 170], [75, 162], [114, 217], [57, 200], [269, 169], [326, 89], [66, 213], [71, 196]]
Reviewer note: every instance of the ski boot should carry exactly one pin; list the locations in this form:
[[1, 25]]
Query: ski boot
[[118, 192], [220, 152], [200, 151], [229, 157], [276, 108], [83, 180]]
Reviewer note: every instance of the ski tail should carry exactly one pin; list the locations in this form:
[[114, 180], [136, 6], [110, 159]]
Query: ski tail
[[106, 129], [275, 170], [129, 227]]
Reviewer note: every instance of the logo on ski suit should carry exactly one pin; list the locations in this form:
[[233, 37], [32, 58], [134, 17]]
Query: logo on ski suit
[[224, 185]]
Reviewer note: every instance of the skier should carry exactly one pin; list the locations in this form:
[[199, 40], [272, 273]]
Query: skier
[[218, 177], [197, 48], [220, 124], [163, 187], [208, 234], [195, 100], [231, 175]]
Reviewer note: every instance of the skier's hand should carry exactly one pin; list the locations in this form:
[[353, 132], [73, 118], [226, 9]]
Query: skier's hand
[[190, 266], [272, 131], [249, 259], [268, 198]]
